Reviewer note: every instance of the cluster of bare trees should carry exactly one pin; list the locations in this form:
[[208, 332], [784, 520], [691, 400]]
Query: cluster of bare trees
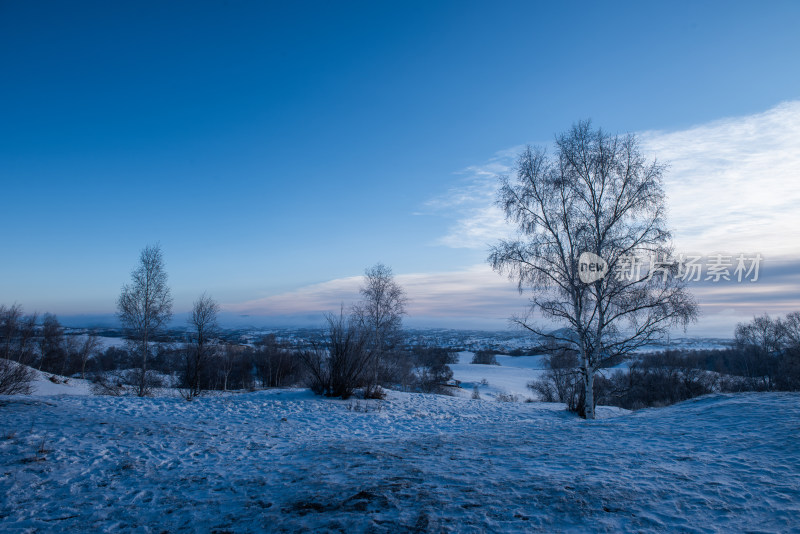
[[770, 348], [27, 345], [363, 348], [16, 350]]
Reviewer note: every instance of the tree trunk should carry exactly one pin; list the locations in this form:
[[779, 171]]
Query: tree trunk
[[588, 383], [142, 388]]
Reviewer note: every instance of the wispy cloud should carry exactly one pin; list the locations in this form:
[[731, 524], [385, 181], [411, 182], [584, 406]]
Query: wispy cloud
[[480, 298], [476, 292], [732, 184], [478, 222]]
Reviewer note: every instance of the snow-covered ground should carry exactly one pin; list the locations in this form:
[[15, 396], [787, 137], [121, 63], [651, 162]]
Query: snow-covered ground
[[47, 384], [511, 377], [283, 460]]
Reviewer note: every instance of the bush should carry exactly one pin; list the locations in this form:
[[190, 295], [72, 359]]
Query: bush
[[374, 391], [484, 357], [338, 367], [15, 378], [107, 384], [655, 380], [432, 372], [562, 381]]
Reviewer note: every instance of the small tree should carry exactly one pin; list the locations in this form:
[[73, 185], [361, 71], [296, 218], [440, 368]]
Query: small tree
[[226, 362], [145, 306], [86, 349], [433, 371], [380, 314], [203, 322], [597, 194], [51, 346]]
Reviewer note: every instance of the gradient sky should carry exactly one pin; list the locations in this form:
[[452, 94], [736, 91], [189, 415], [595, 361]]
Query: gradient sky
[[276, 150]]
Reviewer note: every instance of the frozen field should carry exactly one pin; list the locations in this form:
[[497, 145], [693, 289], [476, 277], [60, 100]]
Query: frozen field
[[283, 460]]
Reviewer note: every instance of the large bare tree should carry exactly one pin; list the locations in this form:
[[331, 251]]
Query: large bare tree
[[145, 305], [596, 194]]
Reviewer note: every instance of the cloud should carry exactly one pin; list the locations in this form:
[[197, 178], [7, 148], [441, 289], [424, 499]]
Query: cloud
[[473, 293], [732, 184], [478, 297], [478, 221]]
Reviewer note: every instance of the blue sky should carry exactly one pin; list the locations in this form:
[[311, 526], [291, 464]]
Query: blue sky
[[276, 150]]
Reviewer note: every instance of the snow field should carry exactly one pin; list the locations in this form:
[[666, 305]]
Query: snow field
[[283, 460]]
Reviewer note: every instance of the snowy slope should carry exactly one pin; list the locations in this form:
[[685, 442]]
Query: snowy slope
[[283, 460], [46, 384]]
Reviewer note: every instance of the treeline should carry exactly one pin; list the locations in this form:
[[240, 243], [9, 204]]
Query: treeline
[[42, 344], [765, 357]]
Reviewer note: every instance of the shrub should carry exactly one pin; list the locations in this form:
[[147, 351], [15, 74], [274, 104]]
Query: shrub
[[339, 366], [484, 357], [15, 378]]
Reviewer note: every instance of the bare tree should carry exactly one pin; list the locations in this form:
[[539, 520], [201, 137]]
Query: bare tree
[[145, 305], [87, 347], [765, 343], [764, 333], [16, 350], [226, 361], [203, 321], [380, 313], [791, 330], [17, 335], [10, 319], [596, 194], [275, 365], [52, 348]]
